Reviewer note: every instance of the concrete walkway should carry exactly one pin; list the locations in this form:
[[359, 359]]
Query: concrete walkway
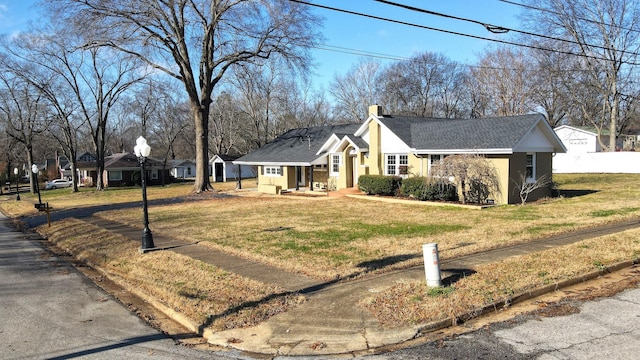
[[330, 321]]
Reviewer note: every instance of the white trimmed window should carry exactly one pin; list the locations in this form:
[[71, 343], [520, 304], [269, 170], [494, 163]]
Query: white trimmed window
[[397, 164], [335, 164], [154, 174], [530, 167], [115, 175], [435, 160], [272, 171]]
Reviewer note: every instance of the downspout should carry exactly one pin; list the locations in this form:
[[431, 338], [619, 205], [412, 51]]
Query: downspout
[[311, 177], [421, 163]]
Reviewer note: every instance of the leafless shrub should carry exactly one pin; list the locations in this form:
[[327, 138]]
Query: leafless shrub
[[474, 176], [526, 186]]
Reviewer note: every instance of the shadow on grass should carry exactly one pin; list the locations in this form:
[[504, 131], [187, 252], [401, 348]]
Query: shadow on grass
[[85, 212], [575, 193], [456, 275], [386, 261]]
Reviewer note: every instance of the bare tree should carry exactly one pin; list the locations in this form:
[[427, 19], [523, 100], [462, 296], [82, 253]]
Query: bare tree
[[197, 42], [605, 33], [526, 186], [21, 111], [94, 77], [355, 91], [502, 78], [551, 83], [424, 85]]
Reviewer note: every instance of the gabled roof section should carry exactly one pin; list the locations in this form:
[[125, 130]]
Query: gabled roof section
[[337, 142], [223, 157], [583, 129], [178, 163], [122, 161], [497, 135], [297, 147]]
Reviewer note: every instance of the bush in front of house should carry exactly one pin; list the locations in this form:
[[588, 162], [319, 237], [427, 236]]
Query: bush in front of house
[[379, 184], [428, 189]]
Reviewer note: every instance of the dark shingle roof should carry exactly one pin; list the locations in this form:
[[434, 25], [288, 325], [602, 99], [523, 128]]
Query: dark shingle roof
[[451, 134], [297, 146]]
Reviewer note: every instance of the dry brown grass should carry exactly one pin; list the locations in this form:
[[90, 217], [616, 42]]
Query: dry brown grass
[[329, 237], [415, 303], [202, 292]]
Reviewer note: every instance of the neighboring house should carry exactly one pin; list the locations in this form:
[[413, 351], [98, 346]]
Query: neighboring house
[[182, 169], [580, 139], [120, 168], [585, 154], [86, 164], [222, 169], [335, 156]]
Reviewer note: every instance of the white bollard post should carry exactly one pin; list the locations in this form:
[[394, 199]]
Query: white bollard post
[[431, 264]]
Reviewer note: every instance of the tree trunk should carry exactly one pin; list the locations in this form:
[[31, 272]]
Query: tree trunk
[[201, 120], [100, 171], [613, 117]]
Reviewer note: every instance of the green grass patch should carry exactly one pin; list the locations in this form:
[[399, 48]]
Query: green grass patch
[[545, 228], [442, 291], [612, 212], [328, 238]]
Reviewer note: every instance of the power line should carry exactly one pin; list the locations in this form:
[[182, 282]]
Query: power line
[[449, 31], [493, 28], [365, 53], [560, 14]]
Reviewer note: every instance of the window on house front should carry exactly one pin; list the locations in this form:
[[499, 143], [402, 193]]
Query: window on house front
[[189, 170], [530, 168], [335, 164], [273, 171], [154, 174], [435, 160], [391, 165], [114, 175], [86, 157], [396, 164]]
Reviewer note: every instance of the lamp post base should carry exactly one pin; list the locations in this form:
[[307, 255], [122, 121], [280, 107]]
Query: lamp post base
[[147, 241]]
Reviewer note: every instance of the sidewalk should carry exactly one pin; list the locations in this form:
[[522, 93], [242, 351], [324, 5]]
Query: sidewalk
[[330, 321]]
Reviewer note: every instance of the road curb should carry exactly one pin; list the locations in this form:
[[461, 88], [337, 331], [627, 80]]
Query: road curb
[[524, 296]]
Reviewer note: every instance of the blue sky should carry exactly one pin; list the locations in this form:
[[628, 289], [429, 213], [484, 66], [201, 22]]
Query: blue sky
[[355, 32], [368, 35]]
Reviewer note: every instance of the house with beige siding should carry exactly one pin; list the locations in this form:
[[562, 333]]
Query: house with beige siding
[[333, 157]]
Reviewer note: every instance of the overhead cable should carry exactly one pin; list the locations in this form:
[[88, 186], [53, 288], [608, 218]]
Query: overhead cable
[[494, 28], [451, 32], [560, 14]]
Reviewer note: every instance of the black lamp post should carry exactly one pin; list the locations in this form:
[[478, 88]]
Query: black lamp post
[[142, 151], [15, 172], [34, 170]]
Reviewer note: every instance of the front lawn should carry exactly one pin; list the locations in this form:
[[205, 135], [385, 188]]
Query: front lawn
[[329, 238], [341, 237]]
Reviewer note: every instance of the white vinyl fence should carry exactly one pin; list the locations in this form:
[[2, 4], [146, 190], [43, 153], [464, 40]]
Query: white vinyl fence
[[598, 162]]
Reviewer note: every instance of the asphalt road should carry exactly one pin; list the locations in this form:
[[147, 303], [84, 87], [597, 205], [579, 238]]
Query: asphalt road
[[608, 328], [48, 310]]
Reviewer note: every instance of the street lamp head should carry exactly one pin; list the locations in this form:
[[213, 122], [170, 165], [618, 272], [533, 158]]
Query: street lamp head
[[142, 149], [34, 168], [15, 171]]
